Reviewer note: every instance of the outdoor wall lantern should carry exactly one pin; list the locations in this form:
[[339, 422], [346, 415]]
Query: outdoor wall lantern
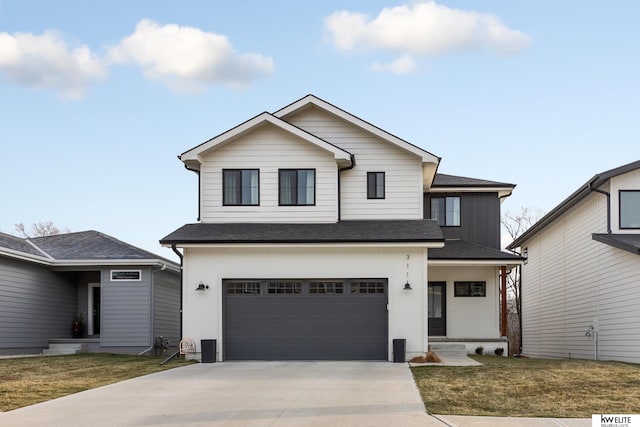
[[202, 286], [407, 286]]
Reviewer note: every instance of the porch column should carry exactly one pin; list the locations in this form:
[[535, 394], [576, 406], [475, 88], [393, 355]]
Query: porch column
[[503, 295]]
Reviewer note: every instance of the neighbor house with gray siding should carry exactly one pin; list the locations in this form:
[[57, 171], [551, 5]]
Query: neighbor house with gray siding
[[127, 296], [581, 280]]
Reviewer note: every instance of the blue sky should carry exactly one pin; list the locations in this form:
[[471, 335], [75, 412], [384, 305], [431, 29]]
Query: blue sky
[[98, 98]]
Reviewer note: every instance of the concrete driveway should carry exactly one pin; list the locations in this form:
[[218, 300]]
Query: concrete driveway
[[244, 394]]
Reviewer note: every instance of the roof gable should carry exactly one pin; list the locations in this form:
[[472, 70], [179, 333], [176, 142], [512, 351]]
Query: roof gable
[[191, 157], [587, 188], [309, 100]]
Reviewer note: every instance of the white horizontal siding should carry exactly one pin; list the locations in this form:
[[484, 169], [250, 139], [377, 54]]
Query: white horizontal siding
[[570, 280], [269, 149], [627, 181], [403, 170]]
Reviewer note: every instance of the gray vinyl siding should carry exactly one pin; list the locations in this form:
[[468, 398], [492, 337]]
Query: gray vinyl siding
[[35, 305], [126, 310], [479, 218], [166, 306]]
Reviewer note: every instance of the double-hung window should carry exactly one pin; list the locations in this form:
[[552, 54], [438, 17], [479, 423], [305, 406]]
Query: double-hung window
[[375, 185], [629, 209], [297, 187], [446, 210], [240, 187]]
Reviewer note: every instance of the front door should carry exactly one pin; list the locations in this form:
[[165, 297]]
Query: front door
[[94, 309], [437, 309]]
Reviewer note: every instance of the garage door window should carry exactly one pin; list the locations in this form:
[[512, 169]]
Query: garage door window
[[243, 288], [368, 287], [285, 288], [326, 288]]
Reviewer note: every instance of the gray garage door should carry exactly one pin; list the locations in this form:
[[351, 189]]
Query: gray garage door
[[305, 319]]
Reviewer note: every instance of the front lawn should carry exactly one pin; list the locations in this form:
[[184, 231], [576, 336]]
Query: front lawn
[[521, 387], [28, 380]]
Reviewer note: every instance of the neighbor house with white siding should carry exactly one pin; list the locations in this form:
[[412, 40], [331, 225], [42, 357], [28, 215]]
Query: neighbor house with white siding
[[581, 280], [322, 236], [127, 297]]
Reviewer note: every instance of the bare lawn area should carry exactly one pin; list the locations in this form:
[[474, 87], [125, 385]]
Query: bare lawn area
[[28, 380], [521, 387]]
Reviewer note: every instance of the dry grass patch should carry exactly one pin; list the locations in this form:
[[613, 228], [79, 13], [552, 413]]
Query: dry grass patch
[[29, 380], [530, 388]]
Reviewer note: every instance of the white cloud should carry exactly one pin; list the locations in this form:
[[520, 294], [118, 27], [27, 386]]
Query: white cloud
[[423, 28], [187, 58], [45, 62], [405, 64]]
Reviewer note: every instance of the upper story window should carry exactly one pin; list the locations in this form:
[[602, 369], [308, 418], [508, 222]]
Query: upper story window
[[629, 208], [446, 210], [241, 187], [297, 187], [375, 185]]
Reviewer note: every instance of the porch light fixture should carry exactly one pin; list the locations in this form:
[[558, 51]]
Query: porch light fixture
[[407, 286], [202, 286]]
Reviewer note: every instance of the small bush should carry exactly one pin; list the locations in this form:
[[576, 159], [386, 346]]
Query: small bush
[[499, 351], [479, 350]]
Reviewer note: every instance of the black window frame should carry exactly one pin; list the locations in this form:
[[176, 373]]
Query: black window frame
[[295, 203], [620, 192], [375, 176], [224, 186], [465, 289], [444, 220]]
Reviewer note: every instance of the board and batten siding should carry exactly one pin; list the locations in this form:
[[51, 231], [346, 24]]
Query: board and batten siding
[[403, 170], [35, 305], [126, 311], [166, 306], [269, 149], [570, 280]]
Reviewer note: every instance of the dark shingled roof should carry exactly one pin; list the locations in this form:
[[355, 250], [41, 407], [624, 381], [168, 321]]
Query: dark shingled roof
[[443, 180], [627, 242], [461, 250], [399, 231], [18, 244], [89, 245]]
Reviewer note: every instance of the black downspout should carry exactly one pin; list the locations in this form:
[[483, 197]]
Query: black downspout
[[353, 164], [597, 190], [177, 252]]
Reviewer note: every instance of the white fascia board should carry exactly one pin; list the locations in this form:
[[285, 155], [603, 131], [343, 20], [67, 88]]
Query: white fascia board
[[429, 245], [343, 158], [115, 262], [23, 256], [310, 99], [502, 191], [474, 263]]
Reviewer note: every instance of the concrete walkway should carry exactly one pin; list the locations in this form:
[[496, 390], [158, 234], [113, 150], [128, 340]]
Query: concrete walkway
[[260, 394]]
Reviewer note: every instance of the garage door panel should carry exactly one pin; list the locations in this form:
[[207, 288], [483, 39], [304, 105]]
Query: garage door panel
[[307, 325]]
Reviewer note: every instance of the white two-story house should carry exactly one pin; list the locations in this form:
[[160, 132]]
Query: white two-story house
[[322, 237], [581, 279]]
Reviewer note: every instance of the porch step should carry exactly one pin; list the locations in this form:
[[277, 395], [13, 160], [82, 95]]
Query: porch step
[[449, 350], [58, 349]]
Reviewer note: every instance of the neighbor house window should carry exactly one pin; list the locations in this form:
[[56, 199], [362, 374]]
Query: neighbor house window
[[446, 210], [241, 187], [470, 289], [375, 185], [297, 187], [630, 209]]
